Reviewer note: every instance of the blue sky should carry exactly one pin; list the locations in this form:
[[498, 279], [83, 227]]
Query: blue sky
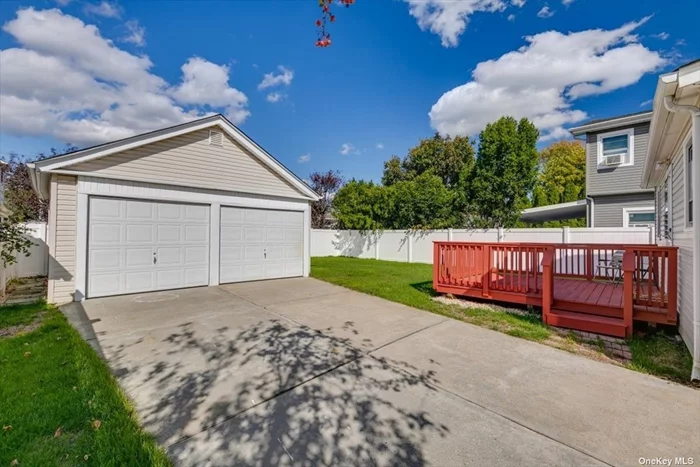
[[88, 71]]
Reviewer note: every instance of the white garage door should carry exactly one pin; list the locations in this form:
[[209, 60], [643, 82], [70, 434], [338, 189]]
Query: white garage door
[[139, 246], [260, 244]]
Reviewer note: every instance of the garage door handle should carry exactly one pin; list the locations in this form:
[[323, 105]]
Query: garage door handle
[[155, 258], [265, 254]]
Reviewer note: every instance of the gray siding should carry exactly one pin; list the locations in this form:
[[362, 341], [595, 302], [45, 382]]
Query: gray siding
[[189, 160], [618, 179], [608, 209]]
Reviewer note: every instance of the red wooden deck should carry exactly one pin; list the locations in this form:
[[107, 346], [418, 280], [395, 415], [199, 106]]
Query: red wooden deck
[[574, 284]]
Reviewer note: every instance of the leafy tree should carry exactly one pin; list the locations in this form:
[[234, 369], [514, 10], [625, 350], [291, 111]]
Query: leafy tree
[[422, 203], [504, 174], [326, 185], [324, 37], [441, 155], [13, 240], [562, 179], [361, 205], [393, 172]]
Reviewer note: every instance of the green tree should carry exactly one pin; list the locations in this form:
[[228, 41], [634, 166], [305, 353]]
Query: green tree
[[13, 240], [421, 203], [361, 205], [504, 174], [393, 171], [441, 155]]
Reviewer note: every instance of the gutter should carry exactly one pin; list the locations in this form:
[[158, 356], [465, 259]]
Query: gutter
[[671, 106], [591, 211]]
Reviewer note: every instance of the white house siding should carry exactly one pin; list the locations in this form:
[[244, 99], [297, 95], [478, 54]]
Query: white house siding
[[189, 160], [62, 232]]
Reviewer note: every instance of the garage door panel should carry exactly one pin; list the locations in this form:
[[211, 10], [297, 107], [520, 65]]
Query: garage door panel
[[196, 255], [168, 233], [105, 233], [139, 210], [139, 233], [196, 233], [260, 244], [103, 258], [125, 236]]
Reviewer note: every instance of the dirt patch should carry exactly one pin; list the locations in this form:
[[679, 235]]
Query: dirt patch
[[21, 329], [460, 302]]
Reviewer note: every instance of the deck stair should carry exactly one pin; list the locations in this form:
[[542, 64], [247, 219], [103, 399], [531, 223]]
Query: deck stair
[[587, 322]]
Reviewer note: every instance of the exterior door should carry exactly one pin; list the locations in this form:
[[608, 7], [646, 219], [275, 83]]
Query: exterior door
[[141, 246], [260, 244]]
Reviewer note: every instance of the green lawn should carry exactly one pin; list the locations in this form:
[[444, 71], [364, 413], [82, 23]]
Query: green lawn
[[411, 284], [59, 404]]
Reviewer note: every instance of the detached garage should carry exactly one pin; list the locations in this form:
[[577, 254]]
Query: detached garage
[[192, 205]]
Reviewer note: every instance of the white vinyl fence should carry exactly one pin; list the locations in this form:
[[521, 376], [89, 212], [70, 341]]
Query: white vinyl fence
[[417, 247], [36, 264]]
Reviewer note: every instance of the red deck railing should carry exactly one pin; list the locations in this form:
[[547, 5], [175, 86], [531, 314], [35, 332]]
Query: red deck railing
[[626, 282]]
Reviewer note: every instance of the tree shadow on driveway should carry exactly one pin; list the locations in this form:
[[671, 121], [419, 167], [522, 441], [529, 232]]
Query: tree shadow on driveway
[[246, 390]]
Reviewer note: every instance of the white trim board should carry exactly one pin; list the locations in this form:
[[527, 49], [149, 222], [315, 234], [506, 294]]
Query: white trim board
[[94, 186]]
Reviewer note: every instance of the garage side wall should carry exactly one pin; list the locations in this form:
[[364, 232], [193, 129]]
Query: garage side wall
[[62, 238]]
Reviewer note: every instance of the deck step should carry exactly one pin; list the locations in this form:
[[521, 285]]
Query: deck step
[[586, 322]]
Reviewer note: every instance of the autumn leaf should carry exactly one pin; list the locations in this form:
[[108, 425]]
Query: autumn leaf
[[96, 424], [6, 427], [86, 457], [58, 433], [14, 462], [27, 354]]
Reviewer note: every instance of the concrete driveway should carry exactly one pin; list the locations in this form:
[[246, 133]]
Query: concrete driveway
[[300, 372]]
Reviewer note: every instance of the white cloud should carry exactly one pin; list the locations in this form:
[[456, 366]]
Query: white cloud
[[542, 80], [274, 97], [63, 2], [545, 12], [681, 42], [511, 17], [518, 3], [206, 83], [662, 35], [380, 145], [67, 81], [449, 18], [348, 148], [283, 78], [135, 33], [104, 8], [304, 158], [567, 2]]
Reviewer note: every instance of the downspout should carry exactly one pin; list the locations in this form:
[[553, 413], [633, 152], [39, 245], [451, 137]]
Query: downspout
[[695, 141], [591, 211]]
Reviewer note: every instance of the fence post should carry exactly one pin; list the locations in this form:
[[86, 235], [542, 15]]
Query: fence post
[[486, 277], [410, 247], [449, 234], [565, 234], [547, 283], [500, 234], [376, 245]]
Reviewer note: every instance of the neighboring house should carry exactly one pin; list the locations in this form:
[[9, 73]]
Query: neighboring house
[[616, 150], [672, 168], [191, 205]]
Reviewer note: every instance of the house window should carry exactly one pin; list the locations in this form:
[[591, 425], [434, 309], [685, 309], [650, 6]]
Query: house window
[[616, 149], [639, 217], [690, 181]]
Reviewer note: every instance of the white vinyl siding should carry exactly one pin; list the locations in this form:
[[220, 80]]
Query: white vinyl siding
[[62, 229], [190, 160]]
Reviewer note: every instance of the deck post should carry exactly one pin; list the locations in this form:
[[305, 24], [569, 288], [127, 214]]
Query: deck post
[[547, 283], [436, 265], [672, 280], [628, 290], [486, 277], [589, 263]]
